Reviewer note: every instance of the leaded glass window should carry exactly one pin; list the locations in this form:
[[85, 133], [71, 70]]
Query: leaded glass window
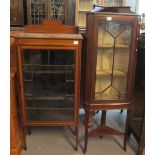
[[37, 11], [58, 9]]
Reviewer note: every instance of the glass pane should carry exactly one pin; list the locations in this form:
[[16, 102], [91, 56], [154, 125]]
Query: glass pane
[[58, 9], [114, 39], [83, 7], [37, 11], [48, 77], [113, 2]]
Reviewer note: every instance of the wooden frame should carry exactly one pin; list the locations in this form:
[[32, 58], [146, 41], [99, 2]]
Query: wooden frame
[[93, 50], [17, 136]]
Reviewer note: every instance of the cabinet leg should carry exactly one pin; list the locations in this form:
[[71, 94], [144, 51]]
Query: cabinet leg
[[24, 139], [76, 134], [142, 140], [121, 111], [139, 152], [86, 130], [126, 130], [103, 117]]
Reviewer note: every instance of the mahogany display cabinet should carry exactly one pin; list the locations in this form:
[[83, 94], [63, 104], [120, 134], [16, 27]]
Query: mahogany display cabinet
[[49, 64], [111, 63]]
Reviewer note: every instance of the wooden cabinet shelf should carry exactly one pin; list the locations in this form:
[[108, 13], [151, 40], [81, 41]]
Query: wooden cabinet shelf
[[48, 115], [109, 73], [117, 46], [84, 11], [46, 98], [52, 94], [41, 65], [55, 109], [98, 96], [45, 72]]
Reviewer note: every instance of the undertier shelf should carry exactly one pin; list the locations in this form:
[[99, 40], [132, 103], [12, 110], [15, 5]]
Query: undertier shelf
[[104, 130]]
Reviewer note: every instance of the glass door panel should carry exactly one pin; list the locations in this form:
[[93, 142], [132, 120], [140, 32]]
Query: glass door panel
[[37, 11], [114, 39], [85, 6], [48, 77], [113, 2], [58, 9]]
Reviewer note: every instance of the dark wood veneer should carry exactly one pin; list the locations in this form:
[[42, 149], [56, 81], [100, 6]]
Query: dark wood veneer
[[92, 104]]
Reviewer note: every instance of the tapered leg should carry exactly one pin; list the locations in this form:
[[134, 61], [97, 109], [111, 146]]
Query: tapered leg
[[86, 130], [142, 140], [121, 111], [24, 138], [76, 134], [126, 130], [103, 117]]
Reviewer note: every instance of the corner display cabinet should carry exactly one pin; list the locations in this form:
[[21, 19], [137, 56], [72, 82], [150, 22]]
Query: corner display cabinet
[[49, 74], [111, 60]]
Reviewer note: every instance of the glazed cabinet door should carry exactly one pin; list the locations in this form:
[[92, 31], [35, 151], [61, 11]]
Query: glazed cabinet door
[[16, 13], [49, 84], [114, 59]]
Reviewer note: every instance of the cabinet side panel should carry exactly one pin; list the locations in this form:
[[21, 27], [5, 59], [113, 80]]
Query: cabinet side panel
[[89, 54]]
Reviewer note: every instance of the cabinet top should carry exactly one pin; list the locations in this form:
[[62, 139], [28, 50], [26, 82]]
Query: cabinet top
[[113, 13], [25, 35]]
